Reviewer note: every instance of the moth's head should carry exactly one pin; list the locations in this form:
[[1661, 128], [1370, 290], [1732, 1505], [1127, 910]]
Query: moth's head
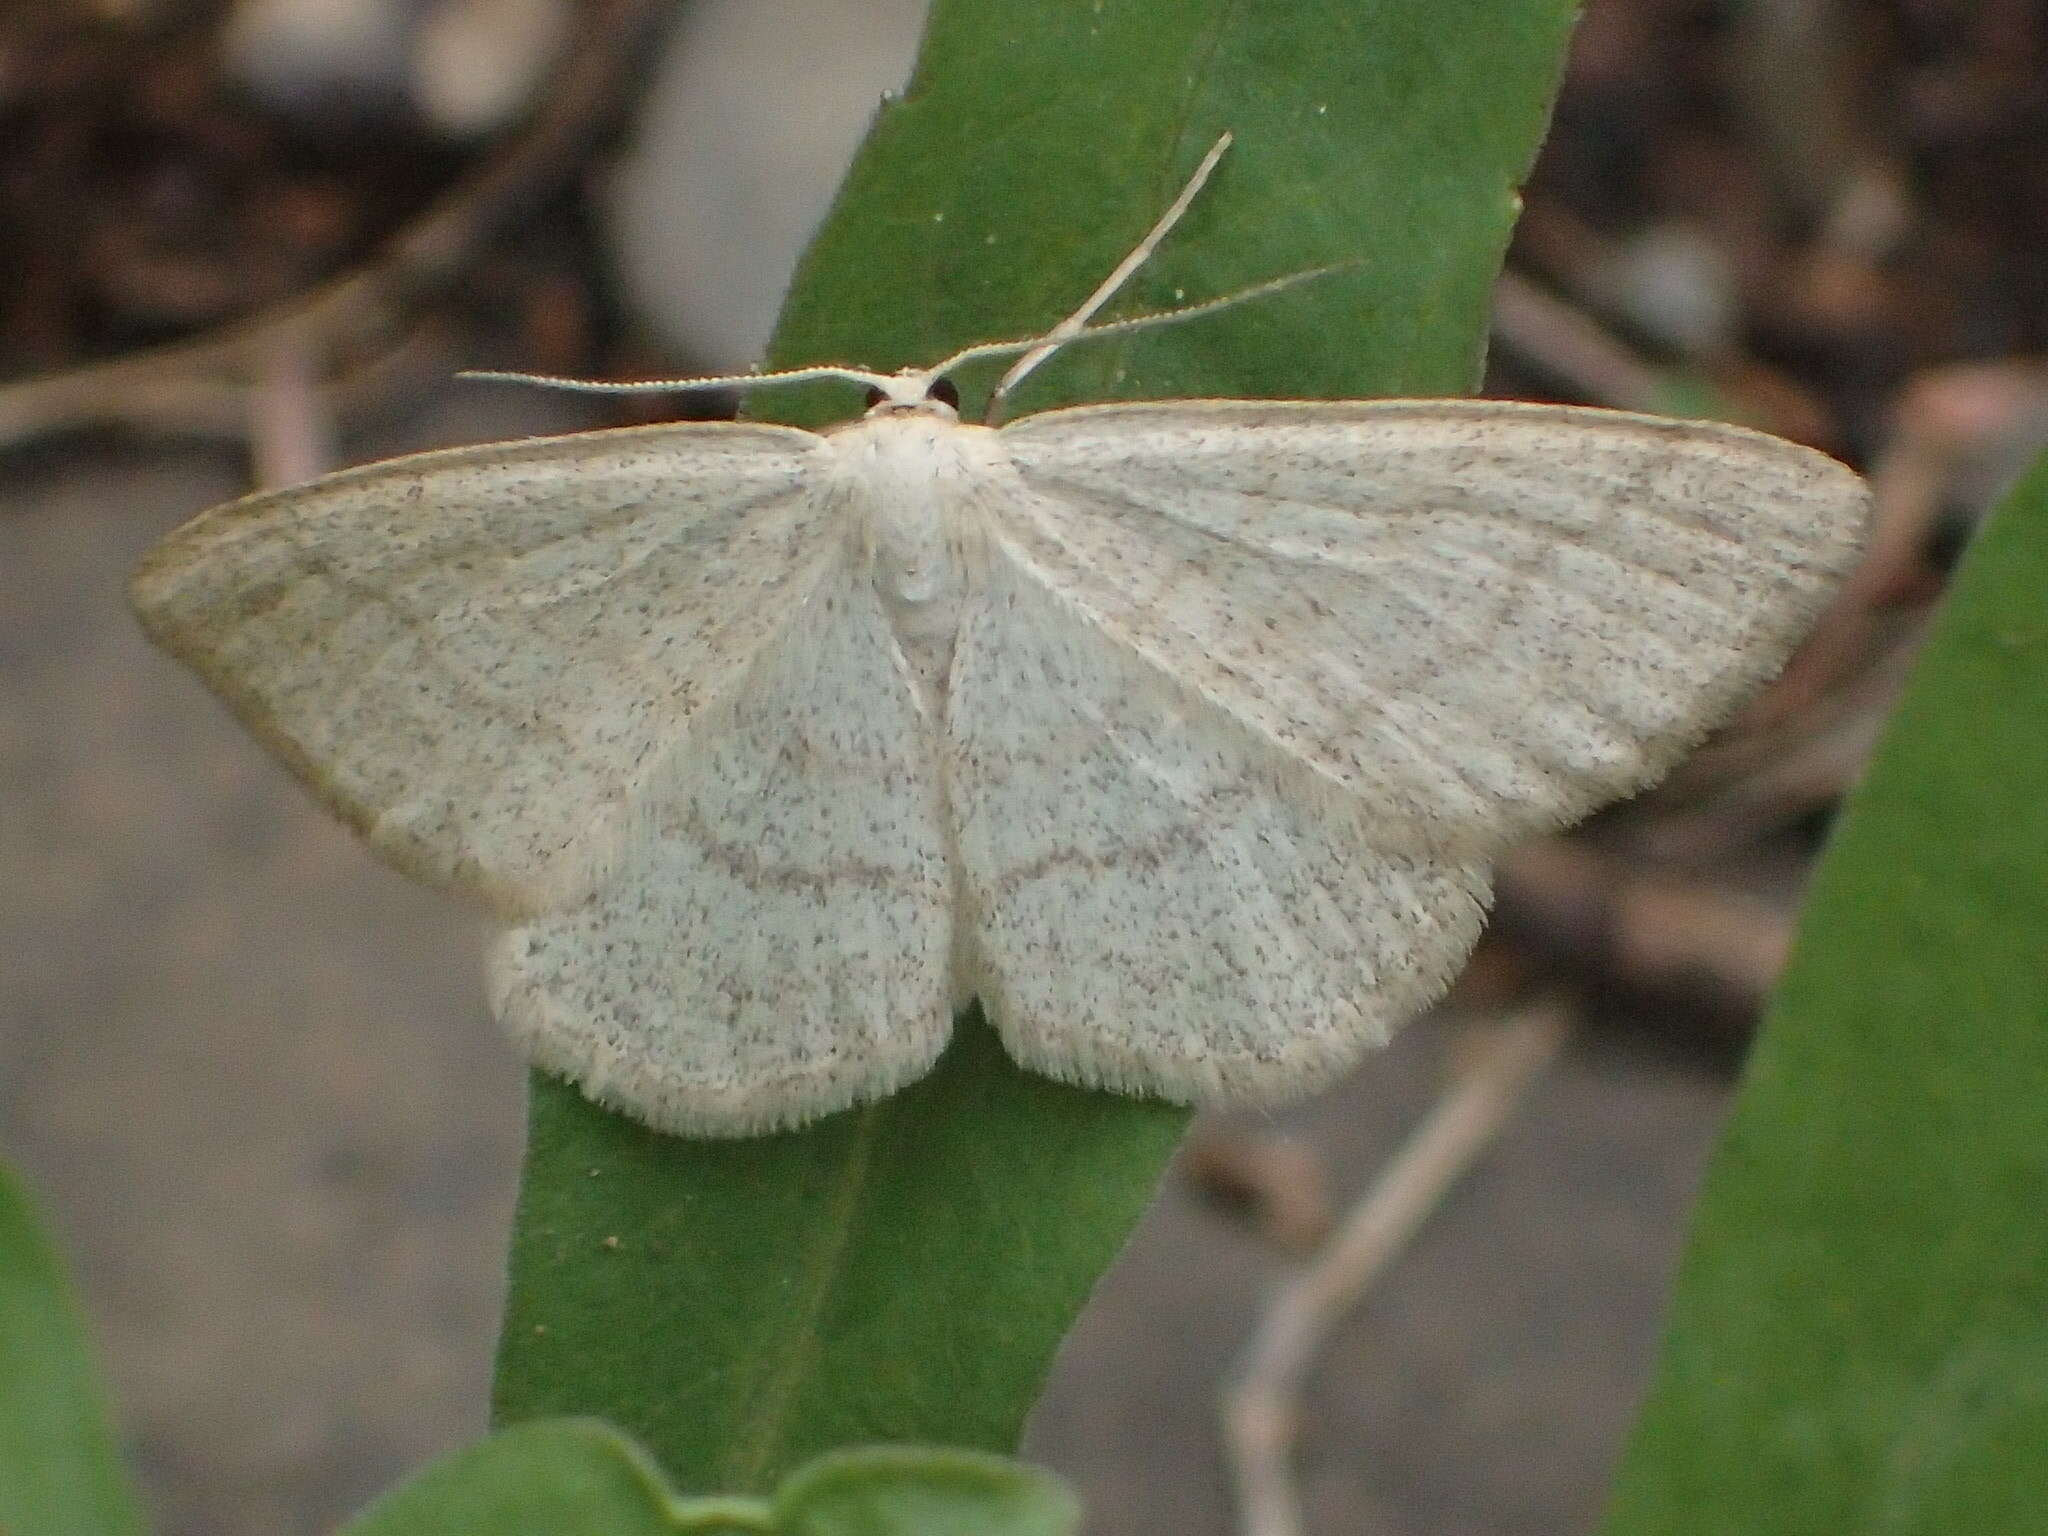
[[914, 392]]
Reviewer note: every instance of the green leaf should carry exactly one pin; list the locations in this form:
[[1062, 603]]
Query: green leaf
[[1038, 143], [907, 1270], [901, 1271], [573, 1477], [1860, 1338], [580, 1477], [60, 1469], [923, 1491]]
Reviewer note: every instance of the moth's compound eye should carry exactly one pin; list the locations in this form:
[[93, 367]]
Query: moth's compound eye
[[945, 391], [874, 397]]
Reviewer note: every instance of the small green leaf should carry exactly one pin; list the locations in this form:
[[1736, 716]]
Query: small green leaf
[[905, 1271], [923, 1491], [559, 1477], [580, 1477], [60, 1469], [1860, 1338]]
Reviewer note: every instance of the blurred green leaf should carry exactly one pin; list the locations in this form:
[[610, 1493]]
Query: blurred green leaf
[[1860, 1338], [907, 1270], [60, 1467], [580, 1477], [572, 1477], [923, 1491]]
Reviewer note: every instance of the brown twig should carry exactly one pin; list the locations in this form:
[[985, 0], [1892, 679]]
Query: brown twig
[[363, 315], [1261, 1404], [1275, 1177], [1609, 920], [1568, 344]]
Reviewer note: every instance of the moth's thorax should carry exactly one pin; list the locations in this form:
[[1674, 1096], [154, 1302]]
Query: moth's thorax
[[911, 475]]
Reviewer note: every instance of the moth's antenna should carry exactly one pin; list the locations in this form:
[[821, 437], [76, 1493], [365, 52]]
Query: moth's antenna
[[1077, 322], [654, 386], [911, 384], [1144, 322]]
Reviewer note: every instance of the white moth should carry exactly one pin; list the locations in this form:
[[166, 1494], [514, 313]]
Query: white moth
[[1180, 734]]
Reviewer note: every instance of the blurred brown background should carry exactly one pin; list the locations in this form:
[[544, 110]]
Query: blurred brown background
[[251, 1069]]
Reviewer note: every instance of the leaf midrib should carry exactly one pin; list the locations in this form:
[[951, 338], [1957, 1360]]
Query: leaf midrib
[[757, 1451]]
